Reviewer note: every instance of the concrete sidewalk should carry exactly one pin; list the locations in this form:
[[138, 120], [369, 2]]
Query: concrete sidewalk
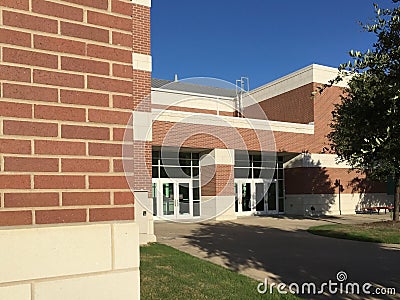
[[281, 249]]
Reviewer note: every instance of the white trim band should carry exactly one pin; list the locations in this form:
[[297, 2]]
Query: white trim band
[[142, 2], [226, 121], [142, 62]]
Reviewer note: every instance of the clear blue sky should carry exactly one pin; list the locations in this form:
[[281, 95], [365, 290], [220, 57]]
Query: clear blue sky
[[261, 39]]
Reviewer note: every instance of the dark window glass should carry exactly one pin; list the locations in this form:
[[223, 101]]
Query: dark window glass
[[242, 163], [196, 172], [281, 188], [196, 193], [187, 171], [256, 157], [242, 155], [280, 173], [169, 154], [281, 204], [185, 155], [185, 162], [172, 172], [196, 208], [154, 195], [242, 173], [169, 161], [154, 171]]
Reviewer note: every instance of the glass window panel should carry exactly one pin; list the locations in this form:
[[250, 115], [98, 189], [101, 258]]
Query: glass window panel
[[246, 197], [280, 173], [185, 155], [196, 172], [241, 155], [169, 162], [281, 204], [154, 161], [256, 157], [196, 208], [172, 172], [169, 154], [168, 199], [184, 199], [272, 197], [196, 193], [155, 154], [242, 172], [195, 156], [195, 162], [185, 162], [154, 195], [155, 172], [263, 173], [257, 164], [242, 163], [281, 188], [187, 171]]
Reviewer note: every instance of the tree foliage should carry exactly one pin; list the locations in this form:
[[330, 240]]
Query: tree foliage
[[366, 124]]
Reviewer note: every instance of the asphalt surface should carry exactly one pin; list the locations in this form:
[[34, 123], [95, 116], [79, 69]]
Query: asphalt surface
[[280, 249]]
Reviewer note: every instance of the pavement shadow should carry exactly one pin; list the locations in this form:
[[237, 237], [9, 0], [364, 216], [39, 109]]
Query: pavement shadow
[[298, 256]]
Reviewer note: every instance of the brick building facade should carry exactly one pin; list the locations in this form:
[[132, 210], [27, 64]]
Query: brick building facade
[[71, 73], [91, 149]]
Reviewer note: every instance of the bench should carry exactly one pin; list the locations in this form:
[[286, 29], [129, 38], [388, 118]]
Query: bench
[[377, 209]]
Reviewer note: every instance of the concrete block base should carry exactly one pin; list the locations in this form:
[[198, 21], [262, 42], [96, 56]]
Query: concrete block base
[[90, 261]]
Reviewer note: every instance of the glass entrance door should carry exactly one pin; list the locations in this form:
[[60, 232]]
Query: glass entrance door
[[261, 207], [272, 201], [244, 199], [255, 196], [174, 199]]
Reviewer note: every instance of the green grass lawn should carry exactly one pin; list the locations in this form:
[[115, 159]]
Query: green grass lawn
[[379, 232], [167, 273]]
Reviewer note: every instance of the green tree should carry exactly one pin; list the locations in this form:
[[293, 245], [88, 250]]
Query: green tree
[[366, 124]]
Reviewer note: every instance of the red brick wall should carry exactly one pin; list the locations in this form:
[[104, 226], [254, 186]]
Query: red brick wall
[[218, 180], [67, 90], [295, 106], [209, 136], [322, 181], [323, 107]]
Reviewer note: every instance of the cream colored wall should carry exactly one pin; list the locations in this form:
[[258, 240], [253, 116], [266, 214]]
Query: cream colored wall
[[96, 261], [191, 100], [325, 204]]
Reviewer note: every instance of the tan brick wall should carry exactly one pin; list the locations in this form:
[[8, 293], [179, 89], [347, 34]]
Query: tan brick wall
[[67, 90]]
